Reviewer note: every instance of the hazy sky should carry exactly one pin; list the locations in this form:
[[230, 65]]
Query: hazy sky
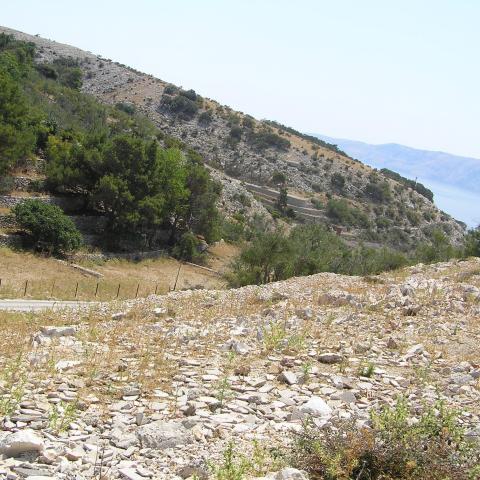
[[404, 71]]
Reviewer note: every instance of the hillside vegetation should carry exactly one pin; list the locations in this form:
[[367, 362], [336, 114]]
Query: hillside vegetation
[[110, 158], [380, 209]]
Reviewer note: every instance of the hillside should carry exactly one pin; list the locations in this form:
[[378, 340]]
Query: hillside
[[454, 170], [453, 178], [251, 157], [159, 387]]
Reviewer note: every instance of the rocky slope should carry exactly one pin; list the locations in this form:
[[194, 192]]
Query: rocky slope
[[236, 145], [156, 388]]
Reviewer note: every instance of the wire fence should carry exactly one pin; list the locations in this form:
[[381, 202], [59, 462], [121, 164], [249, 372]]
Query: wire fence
[[85, 289]]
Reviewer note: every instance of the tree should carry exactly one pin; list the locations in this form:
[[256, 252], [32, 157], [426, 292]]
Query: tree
[[472, 243], [282, 202], [17, 137], [48, 226]]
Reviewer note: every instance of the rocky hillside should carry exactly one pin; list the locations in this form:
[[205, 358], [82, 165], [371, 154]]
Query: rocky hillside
[[158, 387], [261, 154]]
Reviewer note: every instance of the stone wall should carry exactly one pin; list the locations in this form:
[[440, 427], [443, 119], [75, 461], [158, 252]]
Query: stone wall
[[103, 256], [7, 221], [12, 241]]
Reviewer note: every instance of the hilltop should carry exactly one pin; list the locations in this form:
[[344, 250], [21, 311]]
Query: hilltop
[[252, 158]]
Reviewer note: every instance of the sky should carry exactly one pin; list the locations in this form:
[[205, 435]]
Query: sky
[[380, 71]]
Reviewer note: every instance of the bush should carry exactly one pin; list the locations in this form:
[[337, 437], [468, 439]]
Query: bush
[[48, 226], [205, 117], [308, 249], [378, 192], [337, 180], [187, 247], [128, 108], [170, 89], [438, 250], [428, 446], [472, 243], [340, 212], [180, 105], [267, 139], [6, 184]]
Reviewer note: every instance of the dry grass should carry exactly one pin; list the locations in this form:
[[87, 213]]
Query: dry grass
[[47, 278]]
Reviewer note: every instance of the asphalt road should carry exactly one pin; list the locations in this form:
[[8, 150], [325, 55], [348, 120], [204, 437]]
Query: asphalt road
[[36, 305]]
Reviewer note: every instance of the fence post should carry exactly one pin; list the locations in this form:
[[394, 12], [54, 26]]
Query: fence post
[[118, 291], [136, 293], [156, 287], [26, 286], [176, 279], [53, 287], [76, 290], [96, 291]]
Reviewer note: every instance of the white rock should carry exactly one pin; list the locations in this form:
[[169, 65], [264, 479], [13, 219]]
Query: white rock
[[317, 407], [288, 377], [160, 435], [290, 474], [52, 331], [20, 442]]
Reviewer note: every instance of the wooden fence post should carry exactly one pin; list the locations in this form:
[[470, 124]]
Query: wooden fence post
[[176, 279], [26, 286], [76, 290], [53, 287], [136, 293], [118, 291], [156, 287], [96, 291]]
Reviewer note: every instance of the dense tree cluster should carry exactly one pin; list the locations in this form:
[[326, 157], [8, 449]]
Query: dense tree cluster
[[151, 195]]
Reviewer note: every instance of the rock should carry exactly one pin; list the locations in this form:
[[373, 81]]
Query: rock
[[160, 311], [330, 358], [392, 344], [316, 407], [361, 348], [290, 474], [193, 472], [160, 435], [50, 331], [288, 377], [237, 347], [20, 442], [66, 365], [130, 474], [119, 315], [415, 350]]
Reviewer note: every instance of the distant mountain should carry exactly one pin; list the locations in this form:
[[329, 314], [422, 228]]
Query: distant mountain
[[455, 180], [445, 168]]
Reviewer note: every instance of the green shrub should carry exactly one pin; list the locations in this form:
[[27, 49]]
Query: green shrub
[[340, 212], [378, 192], [48, 226], [205, 117], [399, 445], [6, 184], [472, 243], [267, 139], [337, 180], [170, 89], [187, 247], [438, 250], [180, 105], [128, 108]]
